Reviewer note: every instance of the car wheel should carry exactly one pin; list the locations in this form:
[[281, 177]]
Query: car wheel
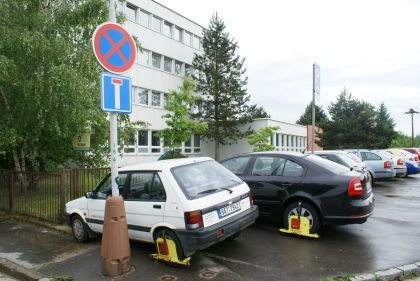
[[169, 234], [80, 229], [372, 180], [307, 211]]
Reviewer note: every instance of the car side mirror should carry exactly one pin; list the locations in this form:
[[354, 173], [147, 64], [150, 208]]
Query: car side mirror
[[89, 195]]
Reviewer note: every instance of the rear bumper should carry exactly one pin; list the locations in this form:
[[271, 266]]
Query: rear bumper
[[400, 171], [194, 240], [390, 173], [358, 211]]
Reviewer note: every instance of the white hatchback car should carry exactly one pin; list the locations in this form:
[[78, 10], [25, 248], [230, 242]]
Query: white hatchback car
[[195, 201]]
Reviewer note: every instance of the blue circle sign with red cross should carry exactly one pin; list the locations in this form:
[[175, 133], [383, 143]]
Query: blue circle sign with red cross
[[114, 47]]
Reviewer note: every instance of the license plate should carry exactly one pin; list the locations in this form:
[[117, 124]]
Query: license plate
[[232, 208]]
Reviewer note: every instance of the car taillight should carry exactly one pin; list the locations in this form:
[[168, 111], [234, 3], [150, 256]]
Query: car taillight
[[193, 220], [251, 201], [400, 161], [387, 164], [355, 187]]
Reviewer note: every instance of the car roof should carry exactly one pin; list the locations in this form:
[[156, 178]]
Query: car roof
[[331, 152], [291, 153], [163, 164]]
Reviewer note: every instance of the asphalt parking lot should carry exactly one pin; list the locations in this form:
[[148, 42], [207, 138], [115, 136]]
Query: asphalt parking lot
[[391, 237]]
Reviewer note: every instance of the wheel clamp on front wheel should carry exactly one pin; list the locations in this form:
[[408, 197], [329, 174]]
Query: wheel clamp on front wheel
[[299, 225], [167, 252]]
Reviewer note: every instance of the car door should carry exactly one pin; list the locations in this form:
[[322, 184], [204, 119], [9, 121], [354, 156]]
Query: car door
[[96, 204], [144, 203], [265, 183]]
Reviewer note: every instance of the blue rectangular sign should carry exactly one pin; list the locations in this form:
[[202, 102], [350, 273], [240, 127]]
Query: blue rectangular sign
[[115, 93]]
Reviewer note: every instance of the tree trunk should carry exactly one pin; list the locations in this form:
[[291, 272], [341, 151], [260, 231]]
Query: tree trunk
[[16, 160], [217, 150]]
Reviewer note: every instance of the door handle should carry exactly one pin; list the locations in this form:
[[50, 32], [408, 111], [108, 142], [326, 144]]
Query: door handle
[[286, 185], [157, 206]]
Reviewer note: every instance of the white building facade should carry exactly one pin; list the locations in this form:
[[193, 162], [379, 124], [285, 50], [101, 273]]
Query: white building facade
[[169, 42]]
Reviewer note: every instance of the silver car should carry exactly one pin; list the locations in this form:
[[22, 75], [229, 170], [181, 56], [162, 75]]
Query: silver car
[[379, 164], [344, 158]]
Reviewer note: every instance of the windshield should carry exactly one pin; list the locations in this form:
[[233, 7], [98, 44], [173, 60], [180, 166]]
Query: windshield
[[326, 164], [203, 178]]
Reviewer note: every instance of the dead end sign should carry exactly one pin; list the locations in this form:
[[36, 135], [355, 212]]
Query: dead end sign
[[114, 47]]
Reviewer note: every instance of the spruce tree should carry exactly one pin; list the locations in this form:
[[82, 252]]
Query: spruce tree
[[306, 118], [384, 128], [221, 81]]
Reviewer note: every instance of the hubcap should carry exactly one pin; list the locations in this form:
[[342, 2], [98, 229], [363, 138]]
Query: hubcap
[[304, 213], [78, 229]]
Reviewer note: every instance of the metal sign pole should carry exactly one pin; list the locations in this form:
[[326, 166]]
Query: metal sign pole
[[113, 122], [313, 109], [115, 246], [315, 99]]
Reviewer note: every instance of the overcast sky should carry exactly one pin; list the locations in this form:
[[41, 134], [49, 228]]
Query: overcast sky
[[370, 47]]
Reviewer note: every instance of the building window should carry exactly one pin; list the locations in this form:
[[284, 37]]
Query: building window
[[156, 24], [196, 42], [165, 100], [167, 64], [188, 70], [144, 18], [167, 29], [131, 12], [155, 99], [144, 57], [155, 142], [188, 146], [143, 96], [130, 145], [187, 38], [177, 34], [178, 68], [143, 141], [156, 60], [197, 144]]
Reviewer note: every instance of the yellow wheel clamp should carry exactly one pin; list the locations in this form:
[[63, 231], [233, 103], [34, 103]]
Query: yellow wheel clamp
[[167, 252], [299, 225]]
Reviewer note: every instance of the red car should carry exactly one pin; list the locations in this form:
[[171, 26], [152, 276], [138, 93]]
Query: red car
[[415, 151]]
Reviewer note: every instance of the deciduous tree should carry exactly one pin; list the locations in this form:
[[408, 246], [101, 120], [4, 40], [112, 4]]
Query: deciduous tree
[[178, 121]]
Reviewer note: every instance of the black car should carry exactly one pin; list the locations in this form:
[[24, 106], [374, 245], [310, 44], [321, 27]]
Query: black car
[[329, 193]]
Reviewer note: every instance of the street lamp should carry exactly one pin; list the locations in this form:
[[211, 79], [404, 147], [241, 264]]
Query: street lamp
[[412, 112]]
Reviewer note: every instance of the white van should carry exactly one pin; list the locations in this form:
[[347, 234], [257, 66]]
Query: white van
[[194, 201]]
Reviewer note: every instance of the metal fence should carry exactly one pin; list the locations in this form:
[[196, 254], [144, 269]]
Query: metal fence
[[43, 195]]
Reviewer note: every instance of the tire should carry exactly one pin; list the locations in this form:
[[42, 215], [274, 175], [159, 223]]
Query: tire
[[80, 229], [169, 234], [308, 211], [372, 180]]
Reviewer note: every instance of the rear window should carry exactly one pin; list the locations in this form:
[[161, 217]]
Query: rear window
[[203, 178], [326, 164], [348, 160]]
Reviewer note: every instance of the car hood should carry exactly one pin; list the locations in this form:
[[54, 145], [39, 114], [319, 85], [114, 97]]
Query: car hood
[[76, 203]]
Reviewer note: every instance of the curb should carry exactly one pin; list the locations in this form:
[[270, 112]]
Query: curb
[[390, 274], [18, 271], [64, 228]]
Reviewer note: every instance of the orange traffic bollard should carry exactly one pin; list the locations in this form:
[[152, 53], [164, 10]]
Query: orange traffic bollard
[[115, 248]]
